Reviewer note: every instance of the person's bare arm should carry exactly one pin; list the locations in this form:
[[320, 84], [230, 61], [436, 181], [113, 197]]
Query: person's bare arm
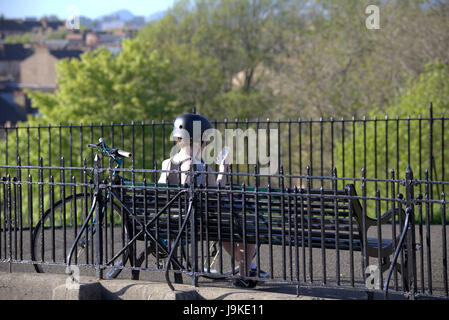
[[164, 175], [223, 178]]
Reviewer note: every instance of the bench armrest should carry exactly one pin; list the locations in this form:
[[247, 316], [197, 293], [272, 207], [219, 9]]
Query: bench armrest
[[386, 216]]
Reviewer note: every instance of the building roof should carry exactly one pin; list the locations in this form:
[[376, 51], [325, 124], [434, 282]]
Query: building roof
[[9, 113], [11, 52], [105, 38], [60, 54], [18, 25], [55, 24]]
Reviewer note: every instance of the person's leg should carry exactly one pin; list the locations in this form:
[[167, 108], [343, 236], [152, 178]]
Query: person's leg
[[250, 253], [228, 248], [239, 254]]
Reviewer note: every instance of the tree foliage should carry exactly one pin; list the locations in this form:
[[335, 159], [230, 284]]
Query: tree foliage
[[101, 87], [104, 93], [255, 59], [407, 143], [387, 148], [258, 58], [224, 46]]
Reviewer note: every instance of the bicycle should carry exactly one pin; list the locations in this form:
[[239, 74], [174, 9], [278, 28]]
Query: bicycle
[[76, 206]]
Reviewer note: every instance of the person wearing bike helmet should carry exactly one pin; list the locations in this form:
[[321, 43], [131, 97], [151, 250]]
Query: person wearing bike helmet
[[189, 131]]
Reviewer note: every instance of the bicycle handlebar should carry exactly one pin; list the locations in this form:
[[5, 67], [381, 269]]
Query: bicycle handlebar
[[122, 153], [110, 152]]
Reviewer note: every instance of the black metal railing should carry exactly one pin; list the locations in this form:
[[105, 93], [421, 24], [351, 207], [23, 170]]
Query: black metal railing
[[377, 145], [49, 180], [278, 220]]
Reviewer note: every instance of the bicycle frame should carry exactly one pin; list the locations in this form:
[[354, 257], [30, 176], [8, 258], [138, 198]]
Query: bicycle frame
[[118, 162], [98, 198], [99, 201]]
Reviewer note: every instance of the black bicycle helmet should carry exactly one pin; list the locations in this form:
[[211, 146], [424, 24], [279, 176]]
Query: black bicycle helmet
[[185, 123]]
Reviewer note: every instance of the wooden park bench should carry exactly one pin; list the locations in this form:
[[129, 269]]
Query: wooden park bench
[[292, 217]]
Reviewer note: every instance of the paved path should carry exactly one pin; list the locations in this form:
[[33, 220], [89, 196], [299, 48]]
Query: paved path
[[319, 274]]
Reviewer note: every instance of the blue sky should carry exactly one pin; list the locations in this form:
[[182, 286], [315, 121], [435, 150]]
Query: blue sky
[[88, 8]]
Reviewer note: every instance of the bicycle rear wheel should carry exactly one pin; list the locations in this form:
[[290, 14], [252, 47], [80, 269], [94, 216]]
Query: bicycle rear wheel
[[58, 227]]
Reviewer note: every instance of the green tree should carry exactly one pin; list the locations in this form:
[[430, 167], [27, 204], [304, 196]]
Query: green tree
[[57, 35], [339, 68], [408, 142], [100, 87], [217, 41], [93, 92], [431, 86], [24, 38]]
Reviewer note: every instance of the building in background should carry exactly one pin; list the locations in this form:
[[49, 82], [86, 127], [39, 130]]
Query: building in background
[[38, 71], [38, 29], [14, 105], [11, 55], [31, 48]]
